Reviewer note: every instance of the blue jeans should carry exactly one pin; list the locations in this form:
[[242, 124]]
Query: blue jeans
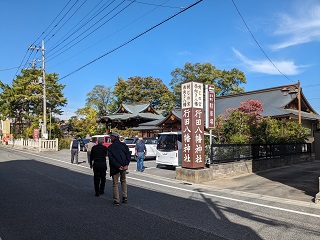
[[140, 159]]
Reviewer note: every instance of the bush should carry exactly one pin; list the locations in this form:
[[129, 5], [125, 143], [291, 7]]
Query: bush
[[64, 143]]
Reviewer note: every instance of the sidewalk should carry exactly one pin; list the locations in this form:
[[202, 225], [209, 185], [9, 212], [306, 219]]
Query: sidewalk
[[296, 182]]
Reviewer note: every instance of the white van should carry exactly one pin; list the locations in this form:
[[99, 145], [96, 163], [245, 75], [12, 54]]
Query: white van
[[169, 149]]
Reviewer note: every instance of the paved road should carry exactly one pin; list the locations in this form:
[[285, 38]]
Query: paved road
[[43, 196]]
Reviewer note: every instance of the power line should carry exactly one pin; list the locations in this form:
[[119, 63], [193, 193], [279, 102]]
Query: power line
[[156, 6], [258, 42], [67, 20], [116, 14], [37, 40], [61, 19], [6, 69], [132, 39], [64, 38], [151, 4], [105, 7]]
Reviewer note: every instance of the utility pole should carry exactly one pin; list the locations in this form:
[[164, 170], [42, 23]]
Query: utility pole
[[44, 125], [299, 101]]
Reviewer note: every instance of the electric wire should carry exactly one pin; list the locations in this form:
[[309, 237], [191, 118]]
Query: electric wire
[[134, 38], [62, 39], [151, 4], [58, 44], [66, 21], [258, 42], [58, 54], [7, 69], [145, 14], [37, 40], [61, 19]]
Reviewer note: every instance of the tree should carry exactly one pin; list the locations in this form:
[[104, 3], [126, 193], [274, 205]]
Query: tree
[[87, 125], [23, 101], [99, 99], [143, 89], [245, 124], [225, 82]]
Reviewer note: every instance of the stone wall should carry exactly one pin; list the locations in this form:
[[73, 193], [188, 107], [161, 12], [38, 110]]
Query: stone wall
[[231, 169]]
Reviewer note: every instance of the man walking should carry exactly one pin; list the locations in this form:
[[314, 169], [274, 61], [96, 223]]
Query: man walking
[[89, 148], [74, 149], [98, 162], [141, 152], [119, 159]]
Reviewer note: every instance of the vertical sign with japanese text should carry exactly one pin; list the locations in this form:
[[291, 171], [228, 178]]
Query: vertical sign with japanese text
[[210, 106], [192, 125]]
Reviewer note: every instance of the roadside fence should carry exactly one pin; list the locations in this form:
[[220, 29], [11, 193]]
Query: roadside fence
[[235, 152], [39, 145]]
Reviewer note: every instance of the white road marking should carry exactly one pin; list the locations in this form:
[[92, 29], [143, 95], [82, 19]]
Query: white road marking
[[196, 192], [227, 198]]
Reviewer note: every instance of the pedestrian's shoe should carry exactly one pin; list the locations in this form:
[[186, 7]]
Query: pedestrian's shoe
[[124, 200], [116, 203], [101, 192], [97, 194]]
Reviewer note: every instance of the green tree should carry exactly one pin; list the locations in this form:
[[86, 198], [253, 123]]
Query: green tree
[[99, 98], [225, 82], [23, 101], [143, 89]]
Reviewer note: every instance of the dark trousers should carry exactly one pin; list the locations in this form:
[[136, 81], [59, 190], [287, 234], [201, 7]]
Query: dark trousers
[[99, 178]]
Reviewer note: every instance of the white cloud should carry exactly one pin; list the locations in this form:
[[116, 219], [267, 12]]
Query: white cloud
[[265, 66], [302, 28]]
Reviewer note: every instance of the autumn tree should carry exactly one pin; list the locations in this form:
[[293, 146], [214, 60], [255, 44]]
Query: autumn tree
[[85, 122], [143, 89], [23, 101], [225, 82], [245, 124]]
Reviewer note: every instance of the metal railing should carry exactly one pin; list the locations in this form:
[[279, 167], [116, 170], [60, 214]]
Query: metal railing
[[235, 152]]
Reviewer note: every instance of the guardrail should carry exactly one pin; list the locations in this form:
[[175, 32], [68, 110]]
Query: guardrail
[[40, 145]]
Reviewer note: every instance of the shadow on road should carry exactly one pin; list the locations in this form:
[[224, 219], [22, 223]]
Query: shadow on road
[[44, 201]]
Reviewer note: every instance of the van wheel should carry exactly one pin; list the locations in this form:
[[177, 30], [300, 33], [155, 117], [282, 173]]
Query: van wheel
[[170, 167]]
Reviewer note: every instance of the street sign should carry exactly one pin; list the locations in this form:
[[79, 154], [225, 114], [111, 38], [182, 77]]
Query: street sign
[[210, 106]]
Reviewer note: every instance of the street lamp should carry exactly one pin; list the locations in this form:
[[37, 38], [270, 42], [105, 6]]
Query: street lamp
[[294, 91]]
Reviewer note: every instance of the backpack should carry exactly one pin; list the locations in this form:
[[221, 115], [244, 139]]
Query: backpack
[[75, 144]]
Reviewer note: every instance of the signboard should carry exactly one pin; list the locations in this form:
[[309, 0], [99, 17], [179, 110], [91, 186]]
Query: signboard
[[192, 125], [35, 134], [210, 106]]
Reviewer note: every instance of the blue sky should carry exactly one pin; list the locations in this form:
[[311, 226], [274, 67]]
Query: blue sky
[[285, 34]]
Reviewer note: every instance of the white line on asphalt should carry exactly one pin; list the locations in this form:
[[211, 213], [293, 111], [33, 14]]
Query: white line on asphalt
[[196, 192], [227, 198]]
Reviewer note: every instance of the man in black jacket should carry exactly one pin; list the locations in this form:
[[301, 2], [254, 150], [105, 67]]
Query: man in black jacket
[[99, 164], [119, 159]]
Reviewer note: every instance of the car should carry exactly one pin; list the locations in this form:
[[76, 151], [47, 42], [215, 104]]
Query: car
[[151, 146], [83, 144], [105, 138], [131, 143]]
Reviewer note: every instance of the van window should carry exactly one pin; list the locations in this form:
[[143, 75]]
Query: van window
[[167, 142]]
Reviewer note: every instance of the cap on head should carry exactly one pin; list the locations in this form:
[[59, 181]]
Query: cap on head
[[140, 138], [115, 134]]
